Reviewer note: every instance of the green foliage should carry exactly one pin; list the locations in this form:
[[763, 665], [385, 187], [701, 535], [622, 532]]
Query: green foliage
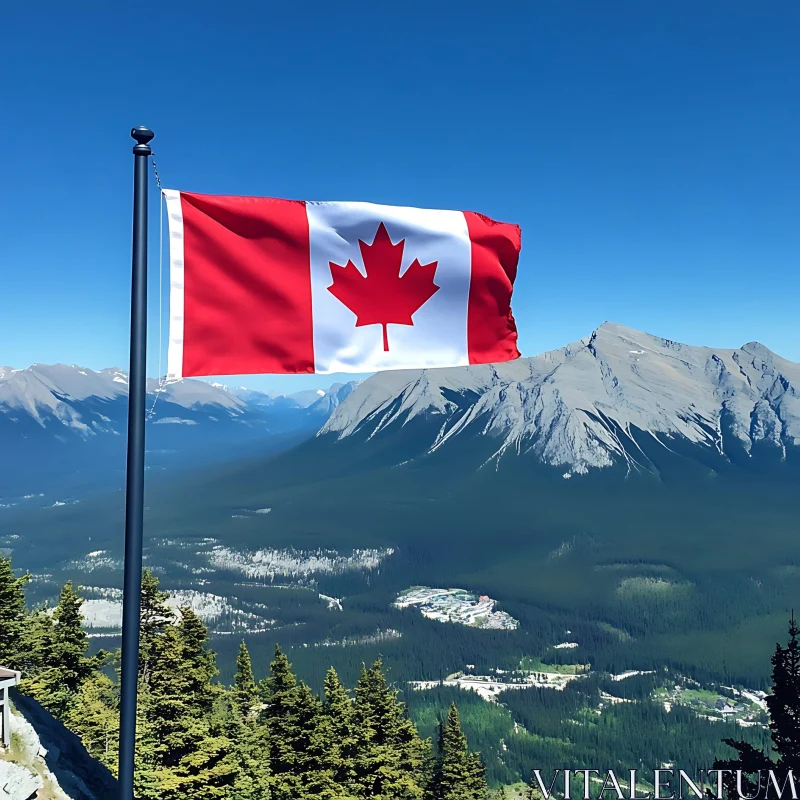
[[509, 751], [391, 757], [55, 661], [784, 711], [94, 716], [155, 618], [342, 738], [244, 688], [784, 701], [70, 643], [184, 750], [12, 614], [545, 728], [38, 641], [252, 779], [459, 774], [293, 719], [198, 739], [199, 662]]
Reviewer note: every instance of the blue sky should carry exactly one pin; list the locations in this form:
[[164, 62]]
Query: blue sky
[[649, 151]]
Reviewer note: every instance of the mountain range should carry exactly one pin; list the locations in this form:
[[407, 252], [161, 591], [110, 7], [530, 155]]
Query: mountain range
[[615, 398], [64, 426], [592, 404]]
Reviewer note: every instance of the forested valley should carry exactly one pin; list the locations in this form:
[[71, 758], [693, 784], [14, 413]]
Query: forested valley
[[273, 735]]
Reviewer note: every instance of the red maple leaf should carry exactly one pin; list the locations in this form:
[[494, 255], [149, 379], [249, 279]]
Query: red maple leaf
[[383, 296]]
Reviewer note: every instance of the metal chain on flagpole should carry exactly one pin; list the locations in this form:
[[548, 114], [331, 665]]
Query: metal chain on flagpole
[[160, 379], [155, 169]]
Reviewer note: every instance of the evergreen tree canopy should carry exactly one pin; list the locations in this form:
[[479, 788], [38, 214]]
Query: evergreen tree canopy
[[293, 717], [244, 690], [70, 642], [200, 662], [94, 716], [342, 741], [391, 756], [784, 701], [54, 654], [12, 613], [784, 710], [184, 750], [250, 754], [198, 740], [155, 617], [38, 641], [459, 774]]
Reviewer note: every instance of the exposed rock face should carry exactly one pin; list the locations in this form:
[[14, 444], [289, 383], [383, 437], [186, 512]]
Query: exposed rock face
[[18, 782], [578, 408], [54, 758]]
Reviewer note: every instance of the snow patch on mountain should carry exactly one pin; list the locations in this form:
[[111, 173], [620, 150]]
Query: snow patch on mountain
[[190, 393]]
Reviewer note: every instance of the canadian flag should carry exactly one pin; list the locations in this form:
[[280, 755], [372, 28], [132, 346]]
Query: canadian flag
[[259, 285]]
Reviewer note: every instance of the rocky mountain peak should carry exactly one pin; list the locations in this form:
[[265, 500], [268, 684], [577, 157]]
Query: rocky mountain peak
[[581, 407]]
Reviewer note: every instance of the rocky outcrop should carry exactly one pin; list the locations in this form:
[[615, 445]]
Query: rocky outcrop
[[18, 782], [51, 758]]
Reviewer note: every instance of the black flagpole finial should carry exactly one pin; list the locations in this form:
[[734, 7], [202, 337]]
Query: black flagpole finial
[[143, 137]]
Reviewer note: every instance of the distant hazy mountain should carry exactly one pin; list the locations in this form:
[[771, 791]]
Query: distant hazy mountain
[[67, 424], [593, 403], [270, 398], [326, 402]]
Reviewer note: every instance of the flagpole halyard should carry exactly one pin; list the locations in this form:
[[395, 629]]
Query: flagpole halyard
[[134, 489]]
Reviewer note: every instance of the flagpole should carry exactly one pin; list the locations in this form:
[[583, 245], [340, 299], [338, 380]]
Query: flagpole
[[134, 489]]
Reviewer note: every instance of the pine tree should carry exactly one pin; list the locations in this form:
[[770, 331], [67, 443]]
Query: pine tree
[[459, 774], [209, 767], [55, 661], [200, 663], [94, 717], [784, 701], [245, 693], [13, 613], [477, 782], [784, 709], [36, 657], [250, 753], [293, 717], [155, 617], [390, 755], [167, 702], [184, 751], [342, 741], [70, 642]]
